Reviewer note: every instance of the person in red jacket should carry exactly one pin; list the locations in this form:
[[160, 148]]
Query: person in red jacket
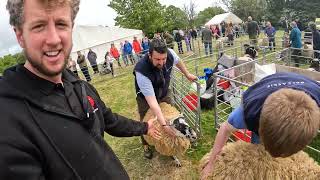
[[115, 54], [137, 47]]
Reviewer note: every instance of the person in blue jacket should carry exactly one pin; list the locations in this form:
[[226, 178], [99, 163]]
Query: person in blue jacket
[[128, 51]]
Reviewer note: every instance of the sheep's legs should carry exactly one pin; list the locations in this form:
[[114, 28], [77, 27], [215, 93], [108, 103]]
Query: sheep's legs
[[176, 161]]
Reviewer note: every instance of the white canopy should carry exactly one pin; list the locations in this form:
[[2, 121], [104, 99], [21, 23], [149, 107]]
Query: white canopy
[[226, 17], [99, 39]]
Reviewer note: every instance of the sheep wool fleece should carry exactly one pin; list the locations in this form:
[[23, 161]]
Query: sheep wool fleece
[[246, 161], [168, 146]]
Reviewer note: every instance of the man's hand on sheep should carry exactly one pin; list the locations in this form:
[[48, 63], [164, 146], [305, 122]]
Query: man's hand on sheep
[[191, 77], [169, 130], [207, 170], [152, 131]]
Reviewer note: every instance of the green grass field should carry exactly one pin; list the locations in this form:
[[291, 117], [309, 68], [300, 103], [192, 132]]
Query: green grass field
[[119, 94]]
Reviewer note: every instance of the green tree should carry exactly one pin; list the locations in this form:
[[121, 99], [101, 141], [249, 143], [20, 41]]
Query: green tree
[[305, 10], [20, 58], [146, 15], [208, 13], [7, 61], [245, 8], [174, 18], [190, 11]]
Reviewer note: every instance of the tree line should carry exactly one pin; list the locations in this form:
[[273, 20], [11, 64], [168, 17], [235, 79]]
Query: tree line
[[11, 60], [150, 16]]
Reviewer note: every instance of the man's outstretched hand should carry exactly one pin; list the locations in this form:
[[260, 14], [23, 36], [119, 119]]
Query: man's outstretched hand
[[191, 77], [152, 130]]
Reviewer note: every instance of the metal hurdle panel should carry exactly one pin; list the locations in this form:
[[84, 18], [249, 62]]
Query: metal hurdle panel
[[189, 105], [243, 78]]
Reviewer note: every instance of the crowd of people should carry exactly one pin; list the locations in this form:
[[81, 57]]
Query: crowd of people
[[128, 53], [131, 52]]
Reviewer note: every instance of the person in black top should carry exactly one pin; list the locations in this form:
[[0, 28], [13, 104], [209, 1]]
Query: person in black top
[[52, 123]]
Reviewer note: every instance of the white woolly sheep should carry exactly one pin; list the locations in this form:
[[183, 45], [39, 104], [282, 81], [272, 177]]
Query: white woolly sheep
[[220, 42], [167, 145], [263, 42], [307, 50], [245, 161]]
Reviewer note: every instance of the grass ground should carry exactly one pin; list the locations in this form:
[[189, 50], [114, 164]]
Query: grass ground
[[119, 94]]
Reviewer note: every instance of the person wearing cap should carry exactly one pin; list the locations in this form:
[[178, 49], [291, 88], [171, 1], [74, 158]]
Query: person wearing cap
[[152, 78], [281, 110]]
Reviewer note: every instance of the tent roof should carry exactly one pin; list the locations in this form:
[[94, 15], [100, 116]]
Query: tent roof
[[85, 37], [226, 17]]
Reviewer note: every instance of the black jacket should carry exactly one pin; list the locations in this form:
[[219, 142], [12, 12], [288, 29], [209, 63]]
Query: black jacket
[[40, 140], [316, 39], [160, 78]]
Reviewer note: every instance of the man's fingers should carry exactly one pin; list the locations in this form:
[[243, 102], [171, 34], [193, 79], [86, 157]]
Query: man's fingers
[[157, 135]]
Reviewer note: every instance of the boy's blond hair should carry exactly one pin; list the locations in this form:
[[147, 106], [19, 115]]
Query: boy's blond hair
[[289, 121]]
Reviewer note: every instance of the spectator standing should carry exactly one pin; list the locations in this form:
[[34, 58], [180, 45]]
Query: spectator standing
[[253, 31], [123, 54], [237, 30], [194, 33], [92, 57], [296, 43], [270, 32], [187, 41], [316, 39], [178, 39], [223, 28], [81, 60], [207, 40], [128, 51], [145, 45], [230, 33], [109, 62], [115, 54], [169, 40], [137, 47]]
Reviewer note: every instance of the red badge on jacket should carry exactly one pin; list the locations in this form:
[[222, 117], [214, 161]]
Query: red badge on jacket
[[91, 101]]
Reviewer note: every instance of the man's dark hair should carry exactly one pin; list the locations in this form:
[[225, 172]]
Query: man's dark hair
[[158, 45]]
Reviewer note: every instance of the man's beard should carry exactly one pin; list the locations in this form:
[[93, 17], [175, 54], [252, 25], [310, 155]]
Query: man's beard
[[40, 67], [159, 66]]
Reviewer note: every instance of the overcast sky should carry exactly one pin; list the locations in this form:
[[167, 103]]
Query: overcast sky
[[92, 12]]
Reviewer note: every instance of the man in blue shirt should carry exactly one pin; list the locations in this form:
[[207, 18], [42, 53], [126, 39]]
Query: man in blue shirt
[[281, 110], [270, 31], [296, 43], [152, 79]]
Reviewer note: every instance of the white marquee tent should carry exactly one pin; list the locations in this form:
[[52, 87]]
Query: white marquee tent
[[99, 39], [226, 17]]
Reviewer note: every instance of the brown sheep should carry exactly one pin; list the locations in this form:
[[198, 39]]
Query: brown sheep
[[245, 161], [167, 145]]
